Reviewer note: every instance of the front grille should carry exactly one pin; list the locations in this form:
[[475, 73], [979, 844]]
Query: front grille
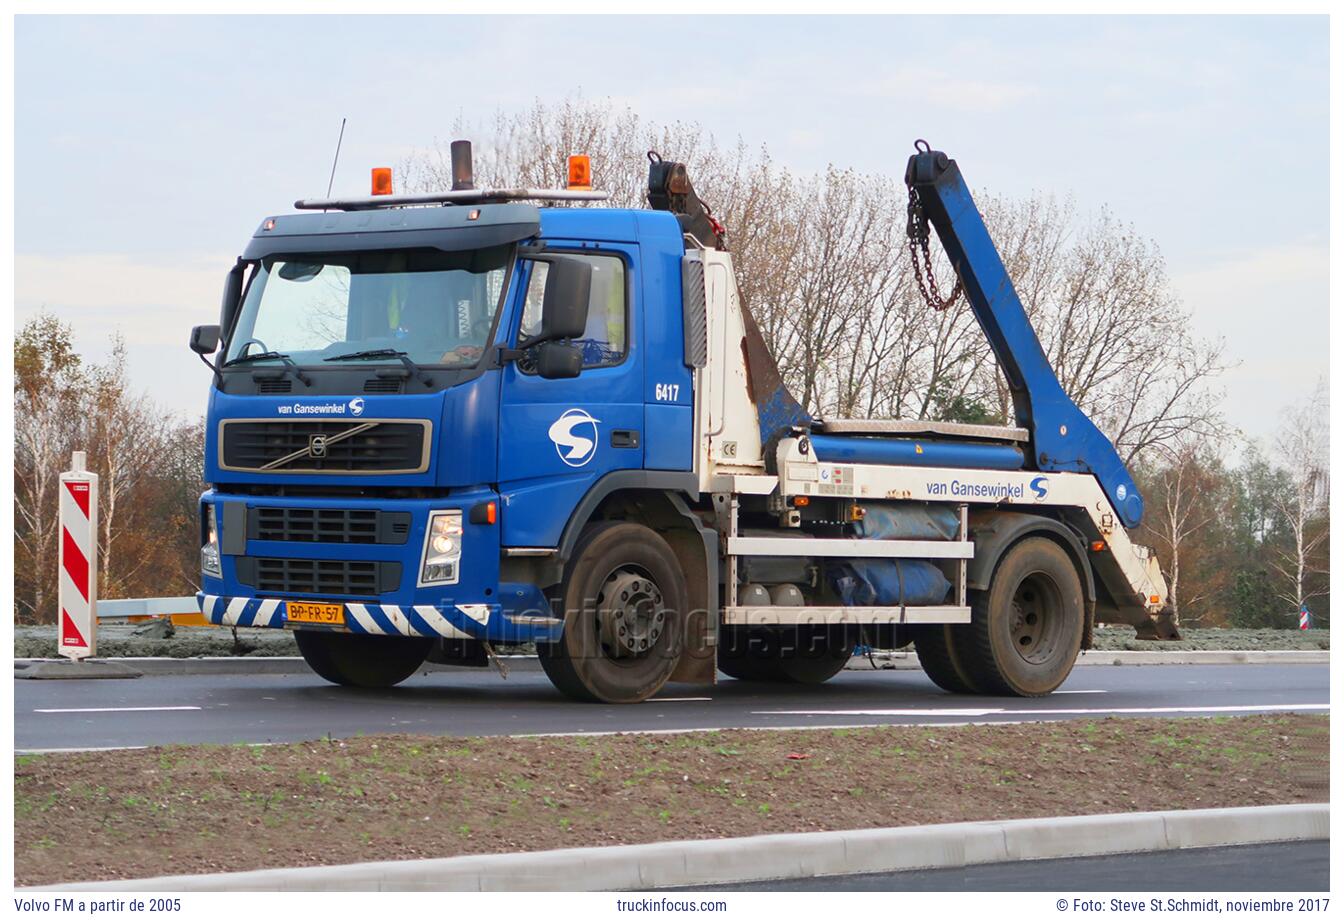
[[284, 385], [328, 525], [349, 446], [318, 576]]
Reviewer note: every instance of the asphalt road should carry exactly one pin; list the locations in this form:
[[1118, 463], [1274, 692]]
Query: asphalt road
[[1275, 867], [54, 715]]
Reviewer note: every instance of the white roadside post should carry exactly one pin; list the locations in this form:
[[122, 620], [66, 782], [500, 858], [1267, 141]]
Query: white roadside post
[[78, 591]]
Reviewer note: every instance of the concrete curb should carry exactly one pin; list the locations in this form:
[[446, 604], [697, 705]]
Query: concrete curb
[[909, 661], [884, 661], [262, 664], [777, 856], [77, 669], [1221, 656]]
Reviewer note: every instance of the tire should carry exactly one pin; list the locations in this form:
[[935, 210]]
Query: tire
[[623, 568], [749, 654], [1027, 629], [805, 655], [940, 655], [362, 661], [817, 653]]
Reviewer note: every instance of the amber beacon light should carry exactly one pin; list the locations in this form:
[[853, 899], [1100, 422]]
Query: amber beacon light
[[382, 180], [580, 173]]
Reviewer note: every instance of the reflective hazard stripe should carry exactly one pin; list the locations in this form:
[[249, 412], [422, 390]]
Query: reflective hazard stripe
[[266, 613], [439, 624], [77, 582], [369, 619], [360, 620]]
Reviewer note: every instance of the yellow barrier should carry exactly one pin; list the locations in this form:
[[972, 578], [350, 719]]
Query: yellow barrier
[[177, 619]]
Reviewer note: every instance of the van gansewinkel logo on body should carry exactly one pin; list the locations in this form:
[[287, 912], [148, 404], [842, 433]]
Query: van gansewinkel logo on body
[[575, 437], [353, 407]]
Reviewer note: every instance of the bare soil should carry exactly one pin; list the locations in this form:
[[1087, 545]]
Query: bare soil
[[210, 808]]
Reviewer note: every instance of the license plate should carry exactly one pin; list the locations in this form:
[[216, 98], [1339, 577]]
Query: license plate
[[323, 614]]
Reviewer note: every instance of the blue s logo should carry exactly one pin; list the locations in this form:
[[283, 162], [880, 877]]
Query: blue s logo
[[1040, 485], [575, 437]]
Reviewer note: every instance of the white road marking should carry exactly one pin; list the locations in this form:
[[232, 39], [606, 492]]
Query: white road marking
[[137, 747], [680, 699], [1276, 707], [123, 709], [79, 750]]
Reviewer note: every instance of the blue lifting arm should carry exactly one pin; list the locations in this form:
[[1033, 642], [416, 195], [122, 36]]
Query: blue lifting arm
[[1063, 438]]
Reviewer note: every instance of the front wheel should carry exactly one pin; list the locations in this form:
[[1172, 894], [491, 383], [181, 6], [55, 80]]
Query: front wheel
[[625, 608], [362, 661]]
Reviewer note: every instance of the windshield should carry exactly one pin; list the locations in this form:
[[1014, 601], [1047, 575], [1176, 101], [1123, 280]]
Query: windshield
[[436, 307]]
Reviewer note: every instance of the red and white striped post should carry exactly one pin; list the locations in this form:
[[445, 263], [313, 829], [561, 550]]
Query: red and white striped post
[[78, 591]]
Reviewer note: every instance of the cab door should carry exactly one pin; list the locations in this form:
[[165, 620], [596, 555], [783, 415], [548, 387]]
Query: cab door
[[558, 437]]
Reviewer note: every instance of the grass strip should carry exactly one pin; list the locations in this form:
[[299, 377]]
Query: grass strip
[[212, 808]]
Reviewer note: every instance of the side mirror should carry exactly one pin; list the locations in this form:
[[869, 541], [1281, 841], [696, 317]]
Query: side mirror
[[564, 304], [233, 293], [205, 339], [558, 361]]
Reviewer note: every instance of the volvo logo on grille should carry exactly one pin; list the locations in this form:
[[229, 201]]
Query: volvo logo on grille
[[389, 446]]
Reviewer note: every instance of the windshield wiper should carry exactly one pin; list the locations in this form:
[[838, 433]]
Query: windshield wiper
[[412, 368], [290, 365], [368, 353]]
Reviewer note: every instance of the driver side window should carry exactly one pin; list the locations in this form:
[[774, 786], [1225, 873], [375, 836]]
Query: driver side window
[[605, 339]]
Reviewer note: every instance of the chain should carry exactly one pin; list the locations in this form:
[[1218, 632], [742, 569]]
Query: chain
[[917, 233]]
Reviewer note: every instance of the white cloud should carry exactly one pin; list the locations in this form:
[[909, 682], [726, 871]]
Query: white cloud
[[1271, 308], [944, 90], [149, 300], [1270, 266]]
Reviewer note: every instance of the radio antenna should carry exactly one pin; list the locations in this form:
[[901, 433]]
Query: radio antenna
[[336, 159]]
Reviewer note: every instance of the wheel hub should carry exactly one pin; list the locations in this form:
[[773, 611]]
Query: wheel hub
[[1035, 622], [1026, 622], [630, 614]]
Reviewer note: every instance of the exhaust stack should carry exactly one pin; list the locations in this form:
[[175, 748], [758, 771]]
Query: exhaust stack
[[460, 152]]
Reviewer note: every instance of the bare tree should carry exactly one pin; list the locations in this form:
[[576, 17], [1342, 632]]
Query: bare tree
[[1183, 504], [148, 465], [1304, 506], [821, 263], [48, 378]]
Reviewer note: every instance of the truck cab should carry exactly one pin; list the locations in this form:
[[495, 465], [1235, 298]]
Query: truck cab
[[442, 424]]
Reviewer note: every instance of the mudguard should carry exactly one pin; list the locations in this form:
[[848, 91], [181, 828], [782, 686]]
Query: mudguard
[[994, 531]]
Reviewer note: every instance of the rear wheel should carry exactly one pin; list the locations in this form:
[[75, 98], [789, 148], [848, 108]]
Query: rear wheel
[[749, 654], [940, 655], [791, 655], [362, 661], [1027, 629], [815, 654], [624, 599]]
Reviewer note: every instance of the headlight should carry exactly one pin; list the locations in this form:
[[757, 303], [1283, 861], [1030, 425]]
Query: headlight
[[210, 551], [443, 548]]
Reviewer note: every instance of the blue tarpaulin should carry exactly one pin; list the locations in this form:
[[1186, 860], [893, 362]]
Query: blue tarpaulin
[[896, 582], [888, 583], [908, 521]]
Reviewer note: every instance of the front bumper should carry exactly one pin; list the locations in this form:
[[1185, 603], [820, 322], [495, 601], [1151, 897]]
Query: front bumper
[[445, 621]]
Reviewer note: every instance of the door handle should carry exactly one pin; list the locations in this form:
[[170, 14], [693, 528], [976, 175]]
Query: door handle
[[624, 437]]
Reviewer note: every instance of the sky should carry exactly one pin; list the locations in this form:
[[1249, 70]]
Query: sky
[[147, 149]]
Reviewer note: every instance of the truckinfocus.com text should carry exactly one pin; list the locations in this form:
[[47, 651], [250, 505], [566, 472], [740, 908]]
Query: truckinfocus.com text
[[658, 905]]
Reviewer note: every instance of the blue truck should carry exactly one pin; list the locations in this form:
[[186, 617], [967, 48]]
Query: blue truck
[[448, 423]]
